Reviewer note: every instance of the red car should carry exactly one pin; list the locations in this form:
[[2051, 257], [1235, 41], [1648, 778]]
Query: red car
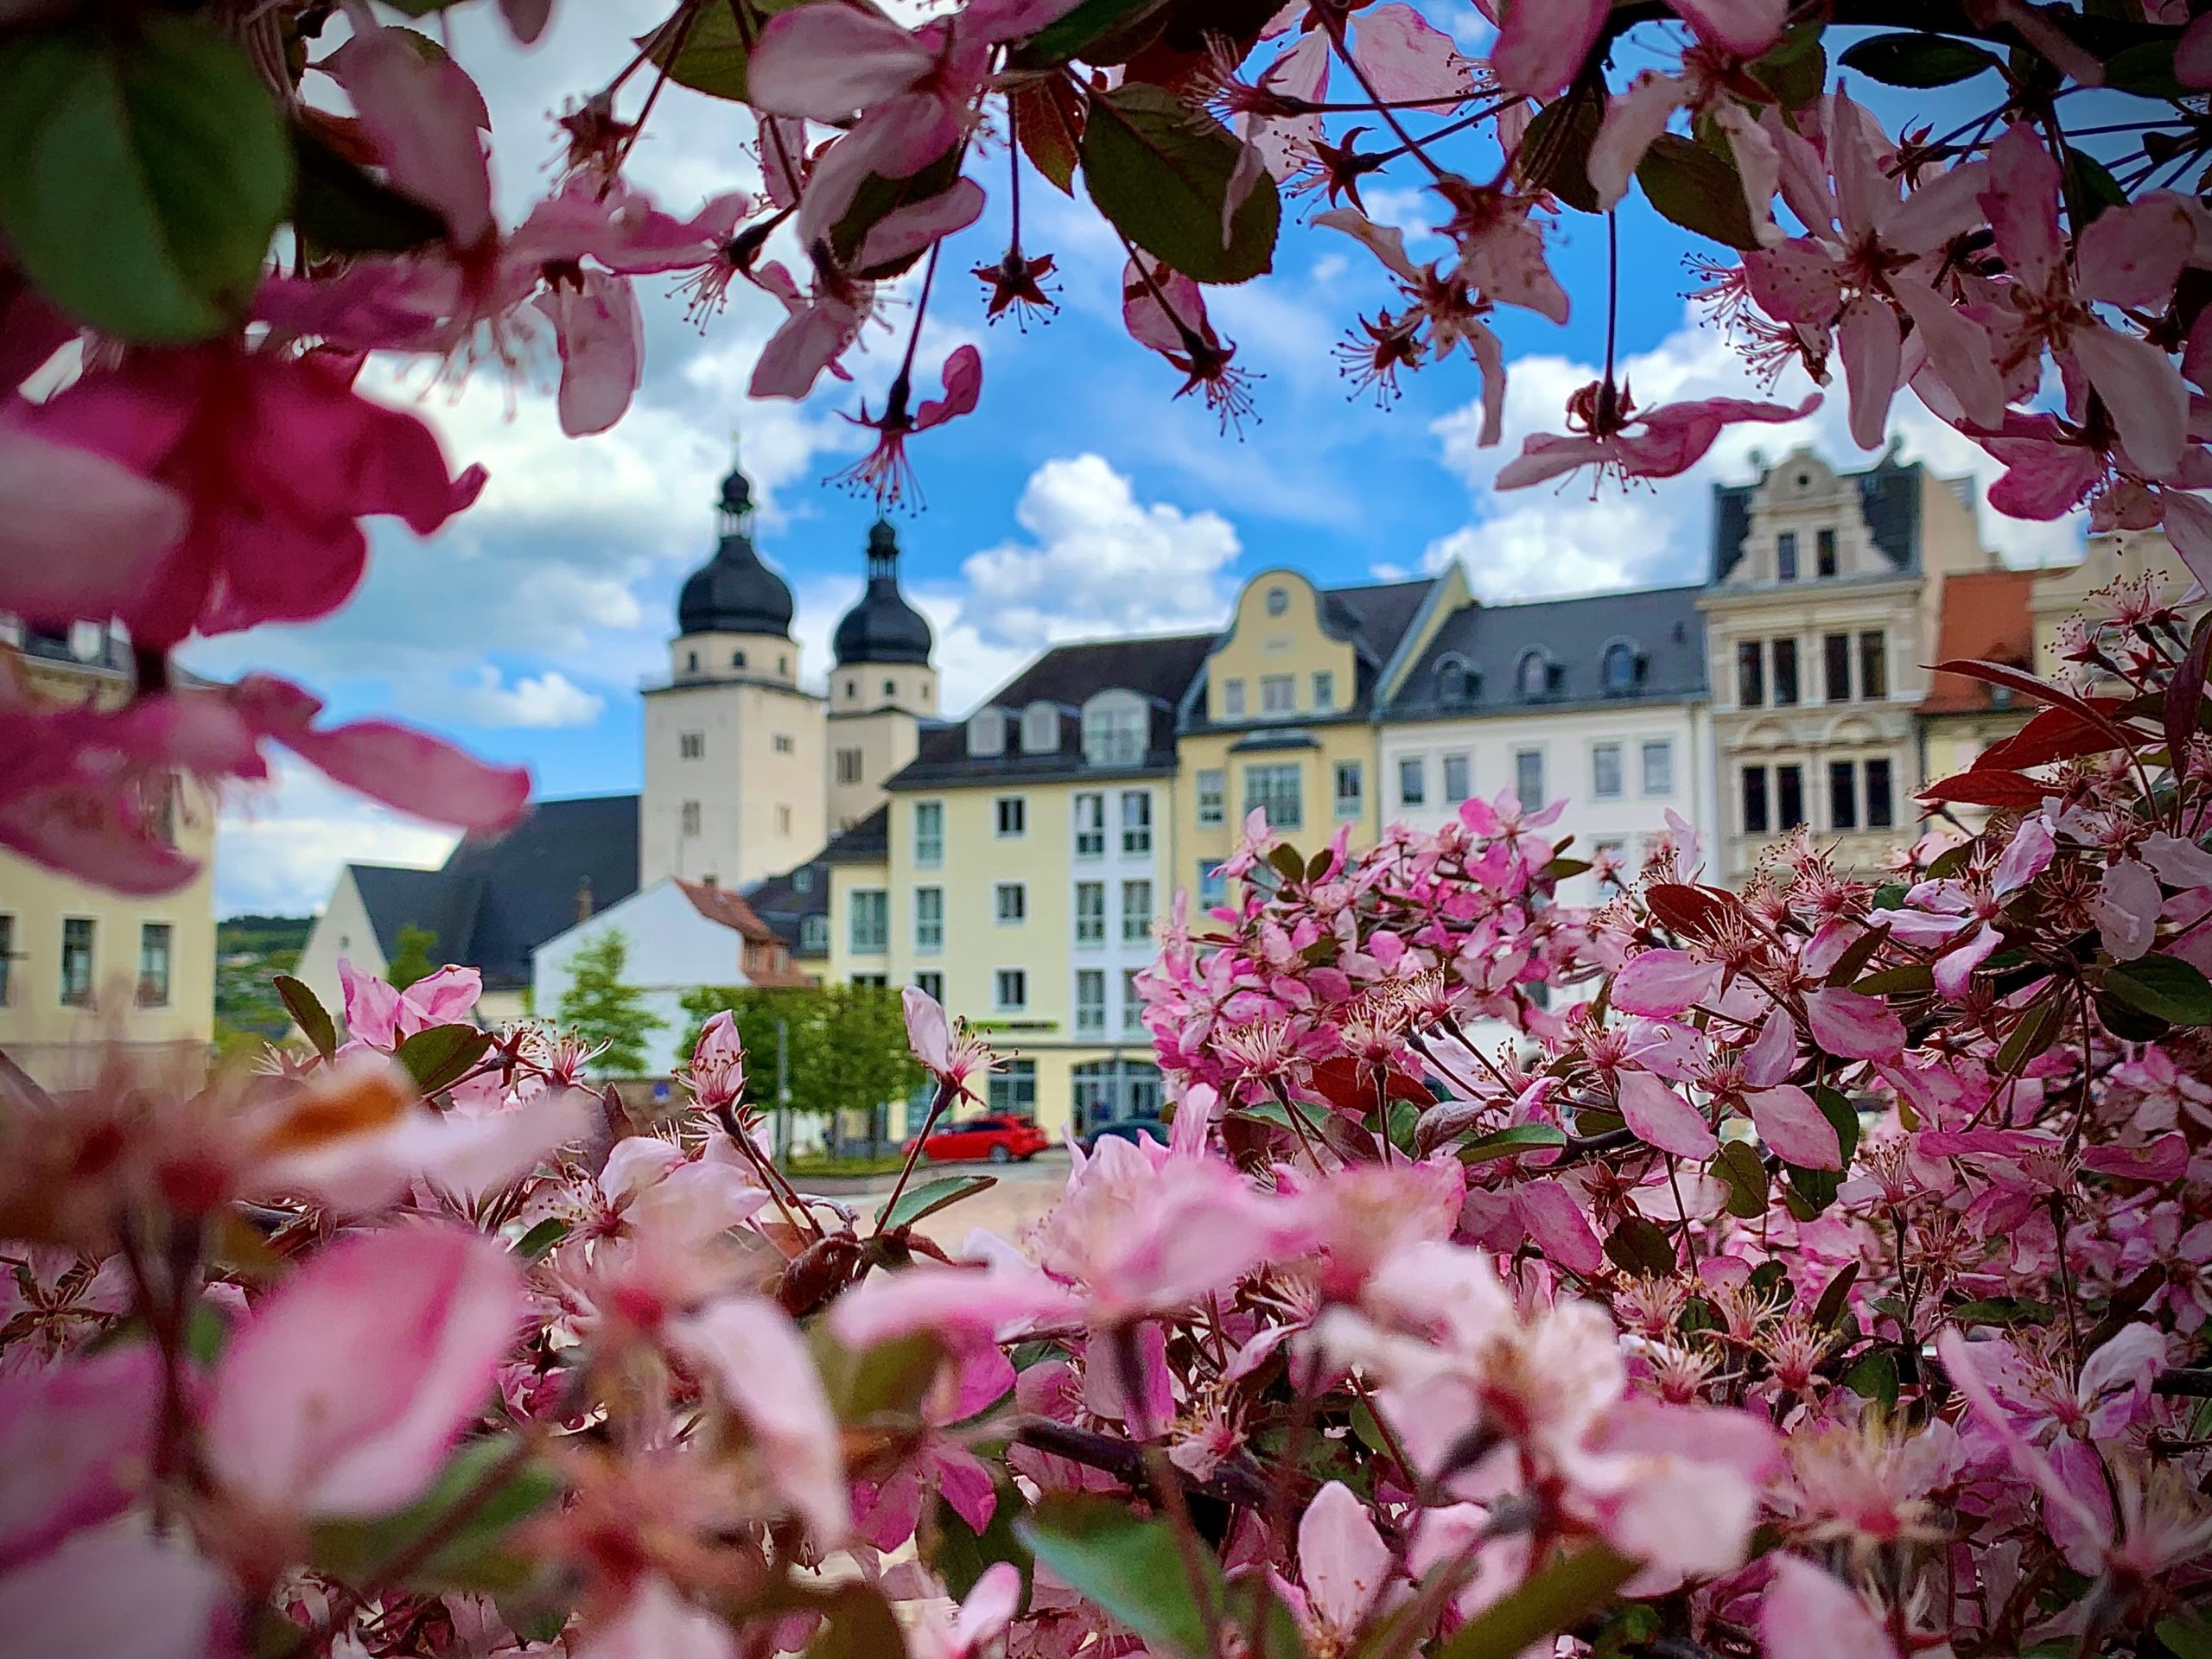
[[1000, 1140]]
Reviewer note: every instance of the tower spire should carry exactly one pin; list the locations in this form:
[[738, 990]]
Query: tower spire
[[735, 508]]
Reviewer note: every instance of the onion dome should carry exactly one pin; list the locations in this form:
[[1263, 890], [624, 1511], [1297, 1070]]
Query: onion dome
[[734, 592], [882, 627]]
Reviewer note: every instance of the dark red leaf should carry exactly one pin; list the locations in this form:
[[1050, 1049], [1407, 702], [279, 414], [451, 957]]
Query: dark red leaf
[[1979, 788], [2185, 696], [2053, 734], [1685, 909], [2027, 685]]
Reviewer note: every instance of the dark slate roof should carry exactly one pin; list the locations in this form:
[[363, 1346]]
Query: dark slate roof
[[1889, 496], [1661, 625], [786, 901], [734, 592], [1160, 668], [868, 841], [498, 899], [1375, 616], [882, 627]]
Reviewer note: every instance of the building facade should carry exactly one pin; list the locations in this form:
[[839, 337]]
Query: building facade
[[87, 976]]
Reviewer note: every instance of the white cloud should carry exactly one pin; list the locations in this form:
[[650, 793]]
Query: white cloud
[[1098, 562], [1571, 538], [550, 699], [280, 846]]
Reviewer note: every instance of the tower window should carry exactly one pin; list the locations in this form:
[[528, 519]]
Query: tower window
[[689, 818], [786, 744], [891, 688], [852, 687], [848, 766], [783, 820], [737, 659], [691, 661], [691, 746]]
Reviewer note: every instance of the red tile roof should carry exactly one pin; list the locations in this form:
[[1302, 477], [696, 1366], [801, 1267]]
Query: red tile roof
[[1986, 619]]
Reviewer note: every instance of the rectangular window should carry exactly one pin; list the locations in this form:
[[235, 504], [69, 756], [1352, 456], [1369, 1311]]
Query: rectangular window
[[1824, 552], [929, 919], [1089, 825], [688, 819], [1213, 797], [7, 960], [1788, 797], [1843, 795], [848, 766], [1528, 776], [1350, 788], [1132, 1005], [1013, 1088], [1659, 767], [1091, 913], [929, 834], [1012, 816], [1605, 771], [1751, 675], [785, 744], [1785, 555], [1756, 822], [1413, 780], [1278, 694], [871, 982], [1881, 806], [871, 920], [1010, 990], [1459, 777], [1274, 789], [1213, 886], [1136, 912], [1010, 902], [691, 746], [1324, 690], [1785, 673], [783, 822], [930, 983], [1090, 1002], [1835, 668], [1873, 666], [154, 965], [1136, 822], [1232, 698]]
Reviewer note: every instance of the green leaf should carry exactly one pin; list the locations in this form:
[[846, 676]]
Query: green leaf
[[471, 1558], [1875, 1378], [438, 1057], [1814, 1189], [143, 171], [1090, 21], [2129, 1023], [1842, 1116], [1285, 859], [2002, 1310], [2090, 187], [1160, 171], [2034, 1033], [859, 1625], [1918, 60], [1564, 870], [1797, 70], [2165, 988], [308, 1013], [1698, 188], [886, 1380], [1737, 1163], [2186, 1634], [1128, 1566], [2147, 70], [962, 1556], [1638, 1246], [1561, 1595], [931, 1197], [1835, 1298], [1554, 152], [1511, 1142], [712, 56], [537, 1243], [1897, 981], [340, 208]]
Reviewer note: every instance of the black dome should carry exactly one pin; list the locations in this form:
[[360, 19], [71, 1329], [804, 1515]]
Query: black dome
[[882, 627], [734, 592]]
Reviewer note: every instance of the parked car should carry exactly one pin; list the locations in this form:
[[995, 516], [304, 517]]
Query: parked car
[[1000, 1139], [1129, 1128]]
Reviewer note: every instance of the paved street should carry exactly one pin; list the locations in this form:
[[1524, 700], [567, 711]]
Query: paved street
[[1024, 1192]]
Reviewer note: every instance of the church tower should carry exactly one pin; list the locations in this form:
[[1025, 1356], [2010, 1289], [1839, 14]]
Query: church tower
[[881, 688], [734, 747]]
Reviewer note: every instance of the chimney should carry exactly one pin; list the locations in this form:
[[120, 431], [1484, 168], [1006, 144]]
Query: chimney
[[583, 899]]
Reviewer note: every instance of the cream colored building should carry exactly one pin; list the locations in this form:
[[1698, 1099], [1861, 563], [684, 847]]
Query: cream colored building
[[1822, 610], [86, 974]]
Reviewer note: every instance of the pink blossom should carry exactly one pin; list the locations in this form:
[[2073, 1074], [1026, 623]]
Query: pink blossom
[[717, 1073], [1540, 48], [756, 1358], [425, 113], [1959, 915], [1662, 1118], [957, 1063], [119, 1593], [75, 1439], [1674, 438], [1344, 1569], [1806, 1614], [2127, 908], [385, 1017], [656, 1623], [1790, 1121], [1853, 1026], [81, 529]]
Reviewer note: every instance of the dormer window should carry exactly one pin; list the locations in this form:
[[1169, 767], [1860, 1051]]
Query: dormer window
[[1619, 669], [1533, 675], [1040, 729], [1116, 727], [1278, 600], [987, 732], [1455, 682]]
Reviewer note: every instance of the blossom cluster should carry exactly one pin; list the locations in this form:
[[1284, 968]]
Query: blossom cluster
[[1818, 1269]]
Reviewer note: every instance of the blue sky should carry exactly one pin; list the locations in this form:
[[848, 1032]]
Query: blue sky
[[1080, 499]]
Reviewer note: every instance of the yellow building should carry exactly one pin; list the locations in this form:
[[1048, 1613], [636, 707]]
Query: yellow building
[[85, 972]]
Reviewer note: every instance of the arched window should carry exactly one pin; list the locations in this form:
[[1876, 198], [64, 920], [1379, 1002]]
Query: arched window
[[1116, 728], [987, 732], [1534, 677], [1619, 665], [1040, 729], [1455, 682]]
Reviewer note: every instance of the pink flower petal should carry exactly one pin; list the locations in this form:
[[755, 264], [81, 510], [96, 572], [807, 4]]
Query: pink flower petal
[[1341, 1558], [1664, 982], [1794, 1128], [2020, 198], [424, 116], [119, 1593], [1541, 43], [84, 533], [656, 1623], [1634, 119], [1662, 1118], [1550, 1215], [1873, 354], [344, 1392], [1406, 56], [1746, 28], [2127, 908], [2193, 52], [761, 1363], [601, 340], [962, 378], [2133, 255], [75, 1439], [1851, 1026], [2145, 393], [906, 231], [1806, 1614], [826, 61]]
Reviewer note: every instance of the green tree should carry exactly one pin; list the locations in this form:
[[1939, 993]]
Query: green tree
[[844, 1046], [412, 961], [604, 1010]]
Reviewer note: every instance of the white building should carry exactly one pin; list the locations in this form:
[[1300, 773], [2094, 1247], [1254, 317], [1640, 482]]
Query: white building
[[1599, 700], [679, 935]]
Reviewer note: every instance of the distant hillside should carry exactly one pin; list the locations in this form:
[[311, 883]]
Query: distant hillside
[[248, 951]]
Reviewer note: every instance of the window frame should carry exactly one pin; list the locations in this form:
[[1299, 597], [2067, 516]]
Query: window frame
[[1089, 837], [1754, 801], [1412, 769], [1824, 553], [1278, 694], [1136, 827], [1785, 555], [1232, 699], [1782, 674], [1275, 770], [1137, 920], [1324, 690], [1010, 915], [1019, 977], [877, 900], [1456, 791], [1344, 806], [929, 931], [1082, 934], [1090, 1013], [1521, 757], [167, 931], [1873, 665], [1664, 745], [1213, 797], [1843, 795], [1885, 796], [1598, 752], [1012, 809], [928, 842], [1788, 781], [1835, 654], [1751, 674]]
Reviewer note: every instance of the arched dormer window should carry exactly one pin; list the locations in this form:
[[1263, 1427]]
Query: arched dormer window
[[1618, 668], [1455, 682], [1116, 728], [987, 732], [1533, 675], [1040, 729]]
